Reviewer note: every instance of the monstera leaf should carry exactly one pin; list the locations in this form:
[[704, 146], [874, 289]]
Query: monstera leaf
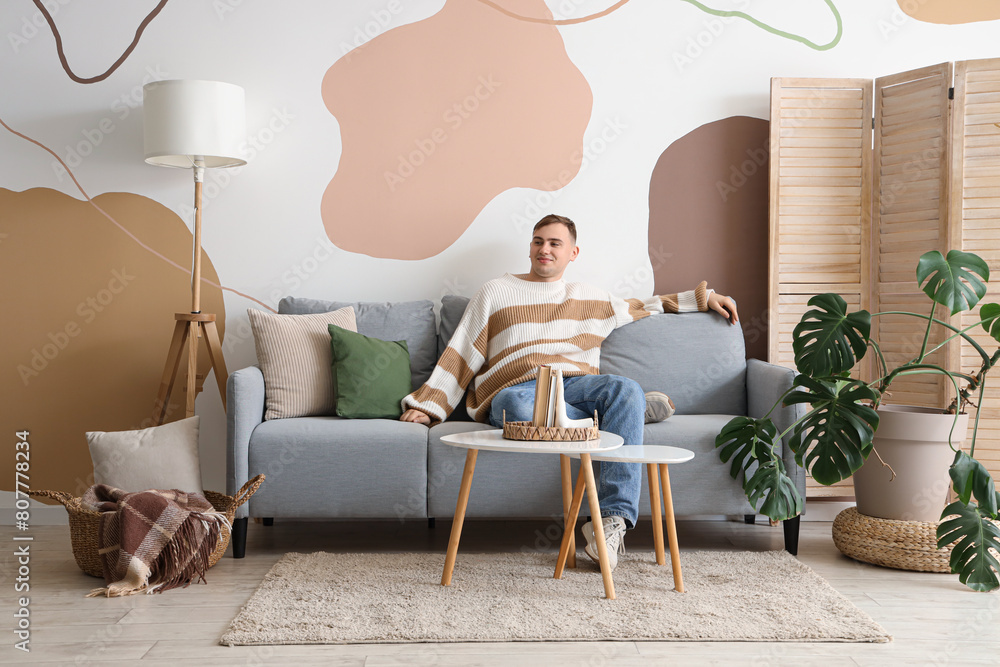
[[827, 340], [770, 482], [957, 282], [970, 477], [990, 314], [750, 444], [746, 441], [835, 437], [971, 557]]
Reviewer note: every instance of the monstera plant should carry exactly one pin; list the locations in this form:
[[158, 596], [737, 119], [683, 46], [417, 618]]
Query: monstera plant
[[834, 437]]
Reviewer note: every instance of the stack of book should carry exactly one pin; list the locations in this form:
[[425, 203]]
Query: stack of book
[[550, 402], [545, 397]]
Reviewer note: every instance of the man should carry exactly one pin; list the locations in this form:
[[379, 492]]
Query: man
[[518, 322]]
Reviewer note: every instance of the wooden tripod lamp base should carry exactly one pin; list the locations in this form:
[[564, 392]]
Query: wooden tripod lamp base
[[190, 328]]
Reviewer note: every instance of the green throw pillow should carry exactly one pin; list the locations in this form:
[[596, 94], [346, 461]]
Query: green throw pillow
[[370, 376]]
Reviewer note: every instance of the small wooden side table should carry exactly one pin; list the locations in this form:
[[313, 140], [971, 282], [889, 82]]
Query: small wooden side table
[[493, 440], [652, 456]]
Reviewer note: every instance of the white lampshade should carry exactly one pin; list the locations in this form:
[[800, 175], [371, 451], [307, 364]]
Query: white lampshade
[[184, 120]]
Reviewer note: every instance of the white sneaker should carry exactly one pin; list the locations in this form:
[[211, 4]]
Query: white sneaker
[[614, 537], [658, 407]]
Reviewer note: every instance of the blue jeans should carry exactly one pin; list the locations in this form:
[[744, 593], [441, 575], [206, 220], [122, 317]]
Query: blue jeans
[[621, 408]]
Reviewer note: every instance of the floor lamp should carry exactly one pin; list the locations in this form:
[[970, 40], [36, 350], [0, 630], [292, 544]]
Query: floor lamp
[[194, 125]]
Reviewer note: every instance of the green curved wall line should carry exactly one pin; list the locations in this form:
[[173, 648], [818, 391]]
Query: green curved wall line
[[780, 33]]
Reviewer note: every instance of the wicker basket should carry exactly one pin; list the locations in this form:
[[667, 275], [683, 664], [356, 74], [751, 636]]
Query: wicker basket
[[528, 431], [903, 545], [84, 523]]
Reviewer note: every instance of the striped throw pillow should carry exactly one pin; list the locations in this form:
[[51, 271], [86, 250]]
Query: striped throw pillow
[[295, 357]]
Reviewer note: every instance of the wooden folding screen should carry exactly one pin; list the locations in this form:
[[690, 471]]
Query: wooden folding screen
[[865, 179], [820, 226], [909, 218], [975, 216]]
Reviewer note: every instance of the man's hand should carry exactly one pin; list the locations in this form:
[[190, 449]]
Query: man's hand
[[415, 416], [724, 306]]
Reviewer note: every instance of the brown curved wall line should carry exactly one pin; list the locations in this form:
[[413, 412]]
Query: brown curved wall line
[[708, 218], [95, 314], [100, 77], [950, 12]]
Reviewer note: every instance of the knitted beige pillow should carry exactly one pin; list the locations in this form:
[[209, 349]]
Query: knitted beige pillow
[[160, 457], [294, 355]]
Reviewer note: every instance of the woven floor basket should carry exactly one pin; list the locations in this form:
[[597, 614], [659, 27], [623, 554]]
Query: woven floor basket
[[84, 523], [904, 545], [528, 431]]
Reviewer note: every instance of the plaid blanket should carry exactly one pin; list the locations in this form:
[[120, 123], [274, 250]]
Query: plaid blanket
[[152, 541]]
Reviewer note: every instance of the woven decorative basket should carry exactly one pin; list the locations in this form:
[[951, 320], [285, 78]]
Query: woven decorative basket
[[528, 431], [904, 545], [85, 523]]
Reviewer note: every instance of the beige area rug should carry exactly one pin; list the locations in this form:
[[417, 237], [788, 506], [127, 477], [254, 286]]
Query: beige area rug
[[323, 598]]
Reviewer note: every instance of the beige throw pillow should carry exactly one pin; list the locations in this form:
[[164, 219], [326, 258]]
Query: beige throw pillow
[[294, 355], [160, 457]]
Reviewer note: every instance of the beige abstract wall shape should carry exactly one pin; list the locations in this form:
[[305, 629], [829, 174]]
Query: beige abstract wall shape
[[708, 218], [89, 320], [950, 12], [439, 117]]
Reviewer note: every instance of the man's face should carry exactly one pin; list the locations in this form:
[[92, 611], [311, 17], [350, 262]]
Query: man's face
[[552, 249]]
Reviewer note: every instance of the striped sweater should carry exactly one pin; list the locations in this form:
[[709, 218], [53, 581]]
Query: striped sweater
[[512, 326]]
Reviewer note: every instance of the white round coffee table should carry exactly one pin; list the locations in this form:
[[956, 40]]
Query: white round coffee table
[[494, 441], [652, 456]]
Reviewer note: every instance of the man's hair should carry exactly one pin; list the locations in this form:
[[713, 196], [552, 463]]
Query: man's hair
[[553, 219]]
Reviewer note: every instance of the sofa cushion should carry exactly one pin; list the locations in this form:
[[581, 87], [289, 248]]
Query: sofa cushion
[[294, 356], [412, 321], [702, 485], [452, 309], [698, 359], [329, 467], [370, 376]]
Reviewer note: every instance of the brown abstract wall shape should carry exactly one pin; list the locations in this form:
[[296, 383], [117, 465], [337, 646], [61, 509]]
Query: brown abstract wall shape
[[440, 116], [951, 12], [92, 319], [708, 218]]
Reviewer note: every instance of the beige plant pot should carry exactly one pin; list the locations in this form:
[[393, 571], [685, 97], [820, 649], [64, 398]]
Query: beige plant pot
[[914, 441]]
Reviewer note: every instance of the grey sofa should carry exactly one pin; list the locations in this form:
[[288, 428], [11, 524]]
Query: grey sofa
[[334, 468]]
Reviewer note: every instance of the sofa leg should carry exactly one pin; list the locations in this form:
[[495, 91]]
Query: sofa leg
[[430, 522], [750, 519], [269, 521], [791, 529], [239, 537]]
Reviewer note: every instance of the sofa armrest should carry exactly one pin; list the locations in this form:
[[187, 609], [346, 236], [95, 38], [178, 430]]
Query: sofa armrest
[[245, 400], [765, 384]]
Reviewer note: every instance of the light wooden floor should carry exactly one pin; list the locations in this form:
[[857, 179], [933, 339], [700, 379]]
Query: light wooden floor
[[935, 620]]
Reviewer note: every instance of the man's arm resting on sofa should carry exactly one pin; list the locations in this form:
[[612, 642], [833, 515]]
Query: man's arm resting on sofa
[[245, 399], [765, 384]]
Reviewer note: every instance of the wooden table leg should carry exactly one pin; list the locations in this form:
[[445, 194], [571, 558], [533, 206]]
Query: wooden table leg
[[598, 523], [668, 511], [567, 493], [654, 506], [456, 526], [571, 516]]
